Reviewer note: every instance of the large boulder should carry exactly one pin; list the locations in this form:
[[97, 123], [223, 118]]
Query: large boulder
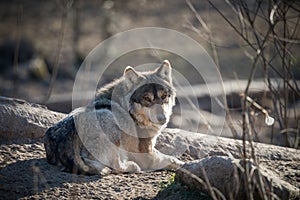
[[222, 176]]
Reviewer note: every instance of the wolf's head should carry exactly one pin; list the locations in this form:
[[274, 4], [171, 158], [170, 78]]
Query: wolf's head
[[150, 95]]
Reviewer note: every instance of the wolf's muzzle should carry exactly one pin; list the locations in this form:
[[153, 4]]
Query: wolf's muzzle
[[161, 119]]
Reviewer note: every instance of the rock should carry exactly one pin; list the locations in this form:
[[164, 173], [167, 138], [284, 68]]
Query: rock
[[22, 121], [197, 145], [224, 177]]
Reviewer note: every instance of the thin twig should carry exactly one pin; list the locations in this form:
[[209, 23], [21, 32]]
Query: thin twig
[[60, 44], [16, 51]]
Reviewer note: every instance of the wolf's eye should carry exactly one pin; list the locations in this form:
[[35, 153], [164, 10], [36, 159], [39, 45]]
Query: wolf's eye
[[163, 96], [147, 98]]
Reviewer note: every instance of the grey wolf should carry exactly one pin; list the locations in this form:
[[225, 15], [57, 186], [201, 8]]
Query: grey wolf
[[117, 131]]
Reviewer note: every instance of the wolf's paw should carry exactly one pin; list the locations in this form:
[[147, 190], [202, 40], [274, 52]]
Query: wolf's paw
[[105, 171], [132, 167], [175, 164], [128, 167]]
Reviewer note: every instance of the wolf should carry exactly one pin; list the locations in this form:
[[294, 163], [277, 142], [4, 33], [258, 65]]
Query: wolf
[[117, 131]]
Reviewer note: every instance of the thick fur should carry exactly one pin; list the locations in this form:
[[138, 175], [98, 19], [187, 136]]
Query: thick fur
[[118, 130]]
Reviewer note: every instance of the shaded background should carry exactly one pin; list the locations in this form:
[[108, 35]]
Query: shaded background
[[42, 44]]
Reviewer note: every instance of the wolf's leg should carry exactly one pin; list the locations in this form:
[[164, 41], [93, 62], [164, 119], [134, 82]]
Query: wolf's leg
[[118, 166], [175, 164], [163, 161], [98, 166], [155, 160], [127, 166], [102, 137]]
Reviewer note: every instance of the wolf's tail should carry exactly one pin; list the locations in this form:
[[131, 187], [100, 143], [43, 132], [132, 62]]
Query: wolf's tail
[[63, 146], [58, 141], [50, 147]]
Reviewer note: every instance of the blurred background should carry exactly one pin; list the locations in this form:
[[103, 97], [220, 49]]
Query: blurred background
[[255, 45]]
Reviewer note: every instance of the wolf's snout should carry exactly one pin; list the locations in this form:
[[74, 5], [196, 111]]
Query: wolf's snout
[[156, 114], [161, 119]]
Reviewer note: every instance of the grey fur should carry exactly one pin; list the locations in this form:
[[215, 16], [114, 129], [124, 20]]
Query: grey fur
[[117, 131]]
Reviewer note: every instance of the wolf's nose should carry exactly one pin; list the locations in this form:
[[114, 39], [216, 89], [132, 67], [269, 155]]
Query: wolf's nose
[[161, 119]]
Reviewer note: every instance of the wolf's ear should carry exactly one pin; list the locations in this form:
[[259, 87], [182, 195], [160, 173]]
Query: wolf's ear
[[165, 71], [131, 75]]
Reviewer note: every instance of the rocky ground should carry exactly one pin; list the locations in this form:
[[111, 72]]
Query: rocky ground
[[25, 174]]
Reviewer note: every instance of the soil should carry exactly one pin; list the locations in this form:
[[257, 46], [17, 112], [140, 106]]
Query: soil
[[25, 174]]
